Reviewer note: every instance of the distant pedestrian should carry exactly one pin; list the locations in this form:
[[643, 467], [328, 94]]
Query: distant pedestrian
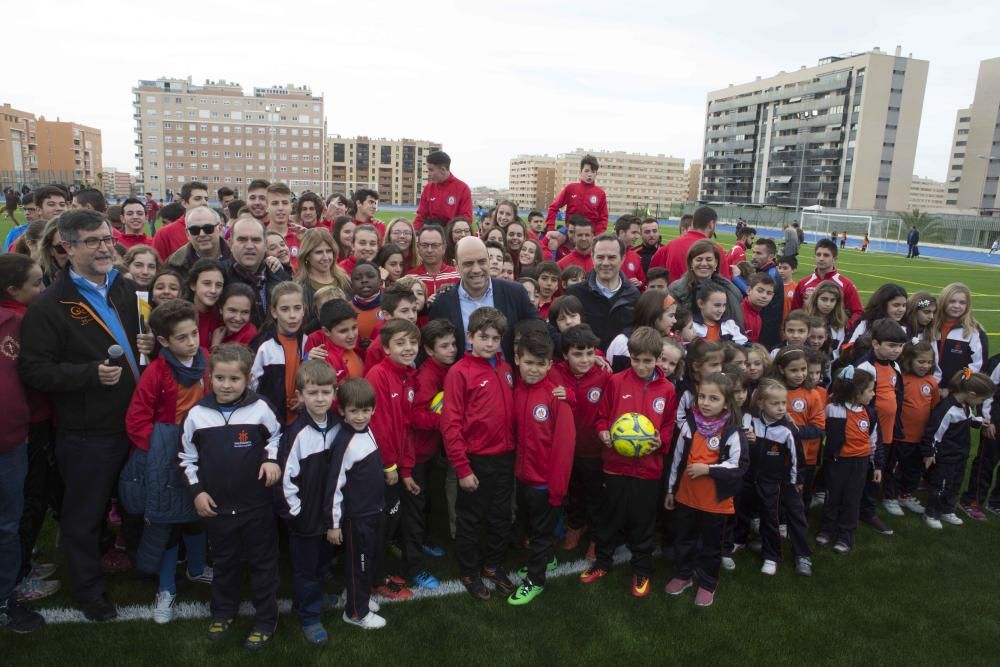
[[995, 247], [912, 239]]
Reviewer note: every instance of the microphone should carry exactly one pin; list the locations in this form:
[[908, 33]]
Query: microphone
[[116, 356]]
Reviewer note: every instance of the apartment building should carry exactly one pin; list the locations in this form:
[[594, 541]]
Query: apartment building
[[974, 163], [395, 168], [116, 184], [217, 134], [693, 180], [65, 147], [533, 181], [18, 145], [840, 134], [926, 194]]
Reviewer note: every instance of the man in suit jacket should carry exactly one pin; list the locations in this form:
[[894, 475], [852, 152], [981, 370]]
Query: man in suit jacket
[[475, 290]]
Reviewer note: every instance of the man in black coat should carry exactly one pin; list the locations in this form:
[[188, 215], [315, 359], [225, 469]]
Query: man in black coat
[[608, 297], [912, 239], [250, 267], [65, 341], [475, 290]]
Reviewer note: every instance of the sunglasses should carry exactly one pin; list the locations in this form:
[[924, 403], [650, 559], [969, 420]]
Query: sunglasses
[[198, 230]]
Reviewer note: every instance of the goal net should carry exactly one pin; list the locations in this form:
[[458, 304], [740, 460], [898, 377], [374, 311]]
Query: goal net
[[856, 226]]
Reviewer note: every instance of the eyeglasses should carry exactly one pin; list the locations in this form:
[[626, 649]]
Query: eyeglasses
[[429, 246], [401, 232], [198, 230], [94, 242]]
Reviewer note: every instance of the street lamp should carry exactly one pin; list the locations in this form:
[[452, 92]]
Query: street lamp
[[275, 109]]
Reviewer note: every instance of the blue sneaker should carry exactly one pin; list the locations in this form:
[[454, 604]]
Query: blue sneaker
[[426, 580], [432, 550], [315, 634]]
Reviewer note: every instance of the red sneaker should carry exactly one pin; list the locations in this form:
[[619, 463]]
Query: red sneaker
[[677, 586], [592, 574], [640, 586], [704, 598], [390, 590]]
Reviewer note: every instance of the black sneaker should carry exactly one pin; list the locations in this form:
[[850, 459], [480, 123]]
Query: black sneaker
[[878, 524], [501, 580], [476, 588], [99, 609], [17, 618]]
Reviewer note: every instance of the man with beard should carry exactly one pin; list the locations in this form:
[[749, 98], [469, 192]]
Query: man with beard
[[582, 232]]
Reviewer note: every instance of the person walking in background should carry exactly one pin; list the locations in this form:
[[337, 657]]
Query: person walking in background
[[912, 239]]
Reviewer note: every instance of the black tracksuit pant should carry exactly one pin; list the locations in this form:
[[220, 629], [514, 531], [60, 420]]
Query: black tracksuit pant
[[250, 536], [780, 498], [984, 465], [909, 468], [90, 466], [487, 509], [541, 518], [943, 487], [413, 521], [583, 502], [628, 509], [311, 556], [698, 537], [42, 489], [391, 512], [845, 484], [363, 550]]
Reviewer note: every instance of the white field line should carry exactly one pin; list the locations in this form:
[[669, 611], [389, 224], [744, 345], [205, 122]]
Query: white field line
[[200, 610]]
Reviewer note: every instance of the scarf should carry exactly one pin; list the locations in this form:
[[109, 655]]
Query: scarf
[[374, 301], [15, 306], [706, 426], [184, 375]]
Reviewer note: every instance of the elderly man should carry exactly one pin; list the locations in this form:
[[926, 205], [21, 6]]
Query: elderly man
[[204, 234], [475, 290], [249, 266], [607, 296], [66, 352], [171, 237]]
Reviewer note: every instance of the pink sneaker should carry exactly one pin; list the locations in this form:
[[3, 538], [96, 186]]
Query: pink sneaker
[[677, 586], [973, 510], [704, 598], [115, 561]]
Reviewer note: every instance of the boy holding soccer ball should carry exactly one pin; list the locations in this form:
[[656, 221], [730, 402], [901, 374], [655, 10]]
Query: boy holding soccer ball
[[546, 437], [632, 484]]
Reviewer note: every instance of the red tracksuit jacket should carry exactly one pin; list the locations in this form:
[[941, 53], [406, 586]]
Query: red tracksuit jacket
[[425, 426], [478, 413], [155, 401], [586, 393], [632, 267], [443, 201], [545, 436], [394, 395], [752, 320], [577, 258], [655, 398], [581, 199]]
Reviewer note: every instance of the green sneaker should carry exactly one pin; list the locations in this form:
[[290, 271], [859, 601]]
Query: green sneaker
[[525, 594], [522, 574]]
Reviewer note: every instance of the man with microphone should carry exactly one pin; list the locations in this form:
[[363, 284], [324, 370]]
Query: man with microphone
[[80, 344]]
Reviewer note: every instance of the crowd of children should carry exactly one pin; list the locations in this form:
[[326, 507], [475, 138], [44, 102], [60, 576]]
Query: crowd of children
[[331, 416]]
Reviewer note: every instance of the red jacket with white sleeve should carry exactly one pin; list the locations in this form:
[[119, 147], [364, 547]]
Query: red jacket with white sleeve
[[545, 436], [155, 401], [478, 413], [443, 201], [586, 392], [852, 302], [394, 394], [425, 426], [655, 398], [586, 199]]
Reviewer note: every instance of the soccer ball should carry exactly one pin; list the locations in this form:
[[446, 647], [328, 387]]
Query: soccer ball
[[633, 435], [437, 403]]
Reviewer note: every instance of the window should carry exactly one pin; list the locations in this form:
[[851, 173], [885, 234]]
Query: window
[[958, 155], [964, 119], [168, 126], [963, 131], [961, 143]]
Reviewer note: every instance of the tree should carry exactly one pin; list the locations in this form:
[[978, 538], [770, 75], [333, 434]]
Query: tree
[[928, 226]]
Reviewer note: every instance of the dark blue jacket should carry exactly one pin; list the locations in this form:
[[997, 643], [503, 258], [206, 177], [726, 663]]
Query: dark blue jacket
[[304, 454], [355, 483]]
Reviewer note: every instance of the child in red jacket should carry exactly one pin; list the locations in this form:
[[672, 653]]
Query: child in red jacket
[[392, 380], [585, 381], [759, 294], [545, 436], [423, 444], [338, 345], [477, 422], [632, 484], [170, 386]]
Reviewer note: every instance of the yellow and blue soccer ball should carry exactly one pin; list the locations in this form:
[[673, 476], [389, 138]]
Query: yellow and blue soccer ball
[[633, 435], [437, 402]]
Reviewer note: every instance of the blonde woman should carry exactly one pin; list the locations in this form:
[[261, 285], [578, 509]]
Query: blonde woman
[[318, 265]]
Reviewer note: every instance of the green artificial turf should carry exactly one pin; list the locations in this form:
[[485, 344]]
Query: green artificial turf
[[917, 597]]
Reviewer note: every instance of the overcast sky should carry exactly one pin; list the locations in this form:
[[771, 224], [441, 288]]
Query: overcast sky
[[488, 80]]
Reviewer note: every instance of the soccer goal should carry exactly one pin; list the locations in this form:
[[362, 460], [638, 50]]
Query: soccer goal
[[824, 224]]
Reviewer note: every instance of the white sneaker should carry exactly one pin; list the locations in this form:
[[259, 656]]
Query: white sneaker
[[932, 522], [163, 607], [912, 504], [728, 563], [769, 567], [952, 519], [371, 621], [334, 601], [892, 507], [818, 499]]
